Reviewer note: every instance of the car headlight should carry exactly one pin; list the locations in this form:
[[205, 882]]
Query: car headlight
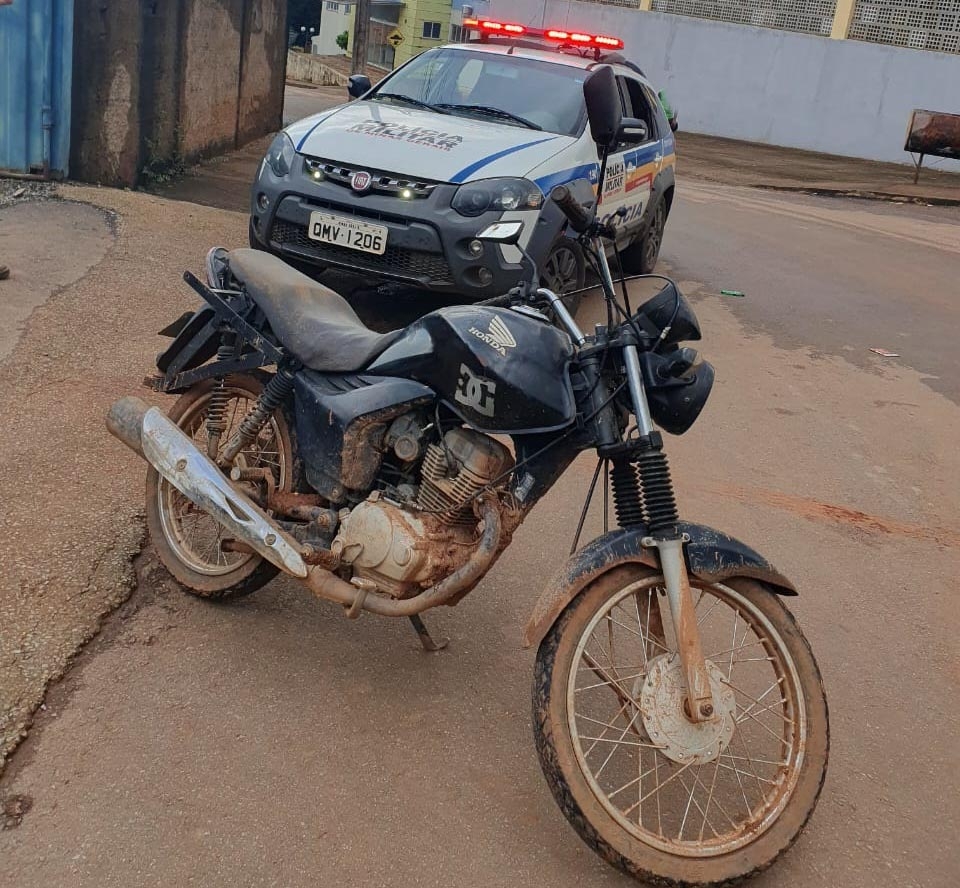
[[280, 155], [475, 198]]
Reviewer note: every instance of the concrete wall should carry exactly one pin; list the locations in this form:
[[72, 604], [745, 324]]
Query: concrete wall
[[310, 69], [158, 82], [837, 96]]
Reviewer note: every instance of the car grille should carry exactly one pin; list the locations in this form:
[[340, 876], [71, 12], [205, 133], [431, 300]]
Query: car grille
[[396, 260], [381, 182]]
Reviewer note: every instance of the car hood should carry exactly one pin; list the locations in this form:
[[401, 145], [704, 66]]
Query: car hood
[[423, 144]]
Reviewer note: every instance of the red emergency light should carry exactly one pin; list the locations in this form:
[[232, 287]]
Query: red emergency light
[[494, 27], [567, 38]]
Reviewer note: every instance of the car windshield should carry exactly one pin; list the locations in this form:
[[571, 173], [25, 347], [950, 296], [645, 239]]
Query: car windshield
[[502, 89]]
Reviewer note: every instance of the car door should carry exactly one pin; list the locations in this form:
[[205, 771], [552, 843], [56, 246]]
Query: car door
[[638, 162]]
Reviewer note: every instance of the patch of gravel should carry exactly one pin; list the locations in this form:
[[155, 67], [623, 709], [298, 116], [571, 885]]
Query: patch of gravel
[[20, 190]]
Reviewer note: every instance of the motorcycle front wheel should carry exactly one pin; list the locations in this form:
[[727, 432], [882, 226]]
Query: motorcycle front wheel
[[662, 798]]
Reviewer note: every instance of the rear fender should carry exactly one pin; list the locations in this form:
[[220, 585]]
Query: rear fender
[[711, 556]]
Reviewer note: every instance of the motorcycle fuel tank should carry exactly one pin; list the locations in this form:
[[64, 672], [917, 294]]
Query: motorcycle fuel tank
[[500, 371]]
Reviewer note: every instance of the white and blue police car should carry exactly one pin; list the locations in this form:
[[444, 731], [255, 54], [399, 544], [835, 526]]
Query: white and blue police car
[[396, 184]]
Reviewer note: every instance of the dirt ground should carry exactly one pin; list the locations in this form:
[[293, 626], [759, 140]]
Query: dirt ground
[[272, 742]]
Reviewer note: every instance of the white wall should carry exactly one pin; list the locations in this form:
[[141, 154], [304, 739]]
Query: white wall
[[837, 96], [332, 23]]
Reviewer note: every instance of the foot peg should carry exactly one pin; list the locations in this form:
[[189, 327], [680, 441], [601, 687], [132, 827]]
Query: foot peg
[[426, 639]]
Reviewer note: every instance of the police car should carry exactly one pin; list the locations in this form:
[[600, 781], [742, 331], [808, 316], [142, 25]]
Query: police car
[[396, 184]]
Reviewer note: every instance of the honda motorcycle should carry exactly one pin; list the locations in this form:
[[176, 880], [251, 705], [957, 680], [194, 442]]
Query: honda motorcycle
[[678, 711]]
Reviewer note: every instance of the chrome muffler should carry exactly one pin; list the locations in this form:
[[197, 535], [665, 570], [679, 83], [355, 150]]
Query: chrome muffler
[[147, 431]]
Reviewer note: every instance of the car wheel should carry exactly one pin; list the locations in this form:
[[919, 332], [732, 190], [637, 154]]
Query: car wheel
[[641, 256], [565, 271]]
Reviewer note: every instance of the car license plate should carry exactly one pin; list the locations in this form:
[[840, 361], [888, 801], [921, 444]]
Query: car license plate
[[344, 232]]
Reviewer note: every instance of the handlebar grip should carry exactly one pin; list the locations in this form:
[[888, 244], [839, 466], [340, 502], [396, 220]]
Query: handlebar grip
[[578, 217], [504, 301]]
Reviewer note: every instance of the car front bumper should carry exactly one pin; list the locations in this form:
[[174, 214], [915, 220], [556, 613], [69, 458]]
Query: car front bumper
[[428, 242]]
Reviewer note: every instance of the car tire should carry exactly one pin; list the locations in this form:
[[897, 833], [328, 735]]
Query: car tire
[[641, 256], [565, 270]]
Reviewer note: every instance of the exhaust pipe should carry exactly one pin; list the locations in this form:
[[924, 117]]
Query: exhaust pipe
[[148, 432]]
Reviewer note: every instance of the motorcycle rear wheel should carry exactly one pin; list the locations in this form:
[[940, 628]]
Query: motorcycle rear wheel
[[628, 779], [187, 540]]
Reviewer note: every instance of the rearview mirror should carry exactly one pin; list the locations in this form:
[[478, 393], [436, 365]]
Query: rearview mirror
[[633, 130], [602, 98], [358, 85], [502, 233]]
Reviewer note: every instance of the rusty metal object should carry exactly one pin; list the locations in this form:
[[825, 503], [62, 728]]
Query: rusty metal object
[[320, 557], [303, 507], [261, 475], [326, 585], [697, 680], [429, 643], [399, 550], [236, 546], [936, 133]]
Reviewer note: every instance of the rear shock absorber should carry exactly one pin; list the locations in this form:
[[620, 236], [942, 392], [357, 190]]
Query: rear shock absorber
[[274, 394], [219, 399]]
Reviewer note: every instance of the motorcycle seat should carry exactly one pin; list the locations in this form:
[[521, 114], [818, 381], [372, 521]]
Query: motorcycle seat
[[315, 324]]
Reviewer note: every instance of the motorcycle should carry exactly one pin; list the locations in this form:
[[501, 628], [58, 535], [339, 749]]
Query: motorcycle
[[678, 711]]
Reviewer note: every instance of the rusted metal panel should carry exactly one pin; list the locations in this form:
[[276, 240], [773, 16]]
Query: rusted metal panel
[[934, 132]]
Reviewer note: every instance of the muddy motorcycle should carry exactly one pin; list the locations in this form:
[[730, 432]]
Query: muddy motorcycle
[[678, 711]]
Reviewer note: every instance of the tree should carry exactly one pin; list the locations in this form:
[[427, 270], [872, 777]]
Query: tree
[[342, 40]]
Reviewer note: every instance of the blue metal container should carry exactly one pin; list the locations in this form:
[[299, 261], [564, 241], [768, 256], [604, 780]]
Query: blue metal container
[[36, 67]]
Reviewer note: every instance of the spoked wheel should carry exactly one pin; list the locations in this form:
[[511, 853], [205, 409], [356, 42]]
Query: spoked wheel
[[187, 539], [565, 271], [659, 796]]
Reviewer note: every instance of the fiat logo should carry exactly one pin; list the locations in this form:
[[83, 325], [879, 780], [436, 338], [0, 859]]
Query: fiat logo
[[360, 181]]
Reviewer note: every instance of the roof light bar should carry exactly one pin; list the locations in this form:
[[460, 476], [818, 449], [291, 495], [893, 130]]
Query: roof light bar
[[576, 38], [500, 27]]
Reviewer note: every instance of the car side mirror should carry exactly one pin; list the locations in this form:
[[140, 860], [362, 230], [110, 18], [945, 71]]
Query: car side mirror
[[674, 125], [358, 85], [633, 130], [502, 233], [602, 98]]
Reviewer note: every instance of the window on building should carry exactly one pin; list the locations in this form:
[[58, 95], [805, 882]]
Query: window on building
[[333, 7], [456, 33], [431, 30], [346, 8]]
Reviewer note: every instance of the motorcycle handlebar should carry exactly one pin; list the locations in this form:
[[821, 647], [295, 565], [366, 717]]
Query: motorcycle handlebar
[[578, 217]]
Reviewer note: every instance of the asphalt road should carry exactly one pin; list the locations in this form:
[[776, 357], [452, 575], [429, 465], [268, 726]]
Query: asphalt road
[[273, 742]]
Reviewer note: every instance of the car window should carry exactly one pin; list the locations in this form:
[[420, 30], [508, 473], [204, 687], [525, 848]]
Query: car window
[[515, 85], [637, 104]]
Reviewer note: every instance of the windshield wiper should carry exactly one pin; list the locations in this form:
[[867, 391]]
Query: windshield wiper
[[490, 111], [410, 100]]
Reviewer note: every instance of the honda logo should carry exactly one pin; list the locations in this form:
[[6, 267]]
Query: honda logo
[[360, 180]]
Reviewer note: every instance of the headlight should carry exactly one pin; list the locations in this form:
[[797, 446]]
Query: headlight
[[280, 155], [475, 198]]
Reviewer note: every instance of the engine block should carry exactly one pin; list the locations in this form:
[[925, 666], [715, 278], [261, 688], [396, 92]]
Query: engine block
[[476, 460]]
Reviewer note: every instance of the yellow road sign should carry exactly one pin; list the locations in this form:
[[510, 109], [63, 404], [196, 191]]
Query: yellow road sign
[[395, 37]]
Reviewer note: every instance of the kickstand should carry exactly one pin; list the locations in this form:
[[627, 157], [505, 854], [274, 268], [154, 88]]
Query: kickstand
[[426, 639]]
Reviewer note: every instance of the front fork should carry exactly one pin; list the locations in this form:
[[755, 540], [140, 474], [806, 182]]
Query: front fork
[[643, 494], [656, 490]]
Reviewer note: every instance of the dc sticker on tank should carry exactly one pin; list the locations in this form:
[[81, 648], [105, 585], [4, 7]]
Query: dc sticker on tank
[[474, 392]]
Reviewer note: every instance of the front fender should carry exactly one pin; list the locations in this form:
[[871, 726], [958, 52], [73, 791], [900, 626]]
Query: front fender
[[711, 556]]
